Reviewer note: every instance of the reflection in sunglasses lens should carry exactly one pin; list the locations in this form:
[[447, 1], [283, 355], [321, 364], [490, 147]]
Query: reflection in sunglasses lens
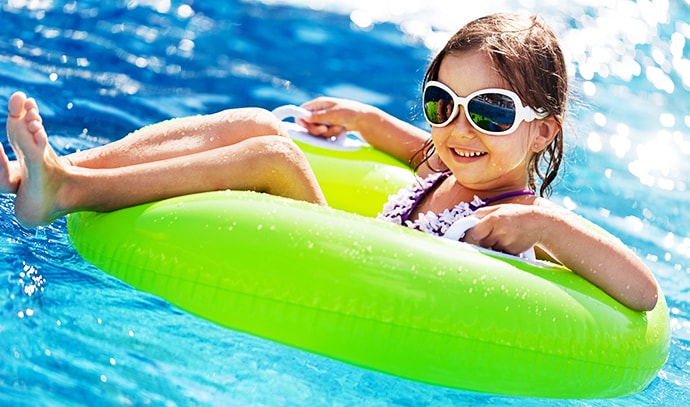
[[492, 111], [438, 105]]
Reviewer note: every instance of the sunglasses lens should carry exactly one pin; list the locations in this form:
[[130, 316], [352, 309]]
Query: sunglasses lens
[[492, 112], [438, 105]]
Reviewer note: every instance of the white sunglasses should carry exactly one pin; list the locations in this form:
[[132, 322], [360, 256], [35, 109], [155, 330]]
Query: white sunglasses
[[491, 111]]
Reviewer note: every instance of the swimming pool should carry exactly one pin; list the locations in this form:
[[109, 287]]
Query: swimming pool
[[71, 335]]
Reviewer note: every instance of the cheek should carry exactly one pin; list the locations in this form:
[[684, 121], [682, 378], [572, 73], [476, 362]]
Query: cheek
[[509, 153], [522, 142], [438, 136], [530, 134]]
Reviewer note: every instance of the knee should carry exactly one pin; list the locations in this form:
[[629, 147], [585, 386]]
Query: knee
[[253, 121], [282, 169], [277, 157], [278, 149], [267, 122]]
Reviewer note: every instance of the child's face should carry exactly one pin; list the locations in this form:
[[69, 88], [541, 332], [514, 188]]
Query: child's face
[[480, 161]]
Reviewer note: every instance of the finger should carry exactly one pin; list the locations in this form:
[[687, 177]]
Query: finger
[[316, 129], [485, 245], [481, 231], [325, 117], [317, 104], [320, 109], [317, 116], [335, 130], [479, 239]]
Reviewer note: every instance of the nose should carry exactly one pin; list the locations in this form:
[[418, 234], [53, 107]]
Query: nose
[[461, 125]]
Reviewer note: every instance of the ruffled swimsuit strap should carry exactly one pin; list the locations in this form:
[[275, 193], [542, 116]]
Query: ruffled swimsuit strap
[[432, 181]]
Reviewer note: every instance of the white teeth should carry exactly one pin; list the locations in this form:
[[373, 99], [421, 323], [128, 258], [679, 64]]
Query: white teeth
[[468, 154]]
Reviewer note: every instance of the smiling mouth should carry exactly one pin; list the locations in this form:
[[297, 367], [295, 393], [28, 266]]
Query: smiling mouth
[[469, 154]]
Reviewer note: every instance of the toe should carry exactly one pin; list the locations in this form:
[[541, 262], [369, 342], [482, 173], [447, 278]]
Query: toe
[[16, 104], [33, 115], [30, 104], [38, 133]]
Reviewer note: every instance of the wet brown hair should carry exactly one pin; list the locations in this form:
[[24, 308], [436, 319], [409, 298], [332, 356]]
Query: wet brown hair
[[525, 53]]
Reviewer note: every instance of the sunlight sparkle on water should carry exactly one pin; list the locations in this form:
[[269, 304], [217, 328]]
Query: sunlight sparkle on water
[[594, 142], [656, 161], [621, 140], [667, 120]]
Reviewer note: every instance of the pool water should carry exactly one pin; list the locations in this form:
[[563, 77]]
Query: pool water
[[72, 335]]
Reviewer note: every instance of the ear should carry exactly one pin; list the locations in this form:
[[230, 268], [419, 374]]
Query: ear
[[547, 129]]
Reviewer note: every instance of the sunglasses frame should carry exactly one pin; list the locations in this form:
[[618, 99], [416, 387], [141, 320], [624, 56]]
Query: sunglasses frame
[[522, 113]]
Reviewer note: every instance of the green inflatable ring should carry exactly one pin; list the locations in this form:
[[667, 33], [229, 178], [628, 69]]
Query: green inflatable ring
[[377, 295]]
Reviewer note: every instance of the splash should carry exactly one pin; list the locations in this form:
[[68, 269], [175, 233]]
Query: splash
[[25, 290]]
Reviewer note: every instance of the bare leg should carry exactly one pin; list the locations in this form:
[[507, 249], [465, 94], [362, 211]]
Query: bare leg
[[180, 137], [173, 138], [271, 164], [49, 188]]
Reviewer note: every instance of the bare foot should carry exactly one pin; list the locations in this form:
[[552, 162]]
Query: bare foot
[[40, 169]]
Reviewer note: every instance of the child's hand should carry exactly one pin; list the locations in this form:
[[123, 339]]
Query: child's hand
[[331, 117], [509, 228]]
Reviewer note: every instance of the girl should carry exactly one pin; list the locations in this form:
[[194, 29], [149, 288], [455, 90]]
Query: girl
[[495, 97]]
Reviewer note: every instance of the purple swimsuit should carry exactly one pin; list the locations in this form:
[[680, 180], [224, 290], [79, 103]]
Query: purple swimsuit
[[400, 206]]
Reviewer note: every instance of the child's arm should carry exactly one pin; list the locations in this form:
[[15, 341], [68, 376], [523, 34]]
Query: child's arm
[[571, 241], [383, 131]]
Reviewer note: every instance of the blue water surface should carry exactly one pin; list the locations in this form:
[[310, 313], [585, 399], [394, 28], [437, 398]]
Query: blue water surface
[[72, 335]]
